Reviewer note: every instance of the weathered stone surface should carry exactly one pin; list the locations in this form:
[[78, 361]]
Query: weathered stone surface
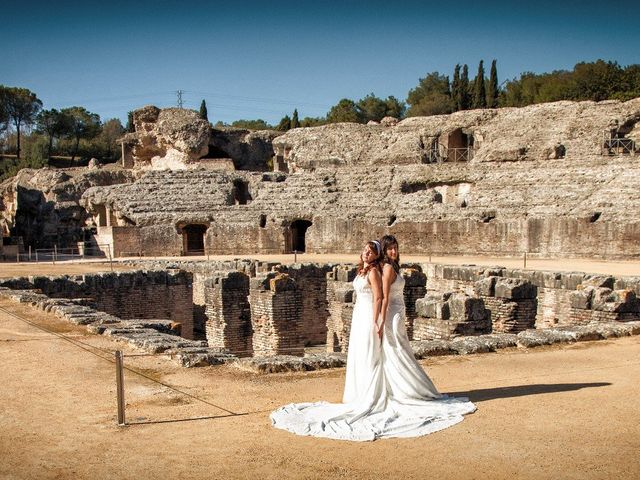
[[483, 343], [515, 289], [431, 348], [289, 363]]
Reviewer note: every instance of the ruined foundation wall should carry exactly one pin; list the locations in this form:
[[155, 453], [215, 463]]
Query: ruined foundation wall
[[149, 295]]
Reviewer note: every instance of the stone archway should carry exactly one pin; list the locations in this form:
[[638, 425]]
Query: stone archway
[[297, 236], [193, 239]]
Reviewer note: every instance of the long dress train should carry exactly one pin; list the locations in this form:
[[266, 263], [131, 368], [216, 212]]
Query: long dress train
[[370, 408]]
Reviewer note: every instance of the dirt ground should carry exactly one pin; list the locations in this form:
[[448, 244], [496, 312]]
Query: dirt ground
[[609, 267], [568, 412]]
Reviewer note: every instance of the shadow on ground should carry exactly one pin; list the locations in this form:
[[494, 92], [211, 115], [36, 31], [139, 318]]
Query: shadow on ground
[[522, 390]]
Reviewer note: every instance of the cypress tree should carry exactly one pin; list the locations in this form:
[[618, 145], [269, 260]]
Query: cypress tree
[[130, 128], [295, 123], [465, 94], [479, 92], [492, 94], [203, 111], [455, 89]]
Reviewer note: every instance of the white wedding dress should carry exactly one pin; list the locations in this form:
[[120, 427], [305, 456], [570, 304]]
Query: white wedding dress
[[386, 394]]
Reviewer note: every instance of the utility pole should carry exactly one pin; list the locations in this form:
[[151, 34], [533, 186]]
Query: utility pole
[[179, 93]]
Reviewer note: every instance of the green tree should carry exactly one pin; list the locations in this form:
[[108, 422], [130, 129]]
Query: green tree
[[431, 97], [130, 128], [258, 124], [82, 124], [492, 92], [21, 106], [456, 94], [111, 131], [54, 124], [465, 94], [203, 111], [313, 121], [395, 108], [285, 124], [479, 93], [295, 123], [596, 81], [344, 111]]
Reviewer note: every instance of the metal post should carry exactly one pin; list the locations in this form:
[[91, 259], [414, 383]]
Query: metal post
[[295, 256], [525, 260], [120, 387], [29, 252], [36, 255], [55, 253], [110, 257]]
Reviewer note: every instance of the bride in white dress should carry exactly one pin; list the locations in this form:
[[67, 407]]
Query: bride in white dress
[[386, 393]]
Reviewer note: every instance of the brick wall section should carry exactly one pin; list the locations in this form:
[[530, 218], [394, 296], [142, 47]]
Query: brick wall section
[[276, 304], [228, 313], [511, 302], [340, 300], [415, 288], [311, 280], [199, 305], [144, 294]]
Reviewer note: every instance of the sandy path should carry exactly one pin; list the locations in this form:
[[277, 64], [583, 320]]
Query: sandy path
[[563, 412], [610, 267]]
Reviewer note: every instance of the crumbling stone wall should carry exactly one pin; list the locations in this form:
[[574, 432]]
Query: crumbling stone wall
[[143, 294], [311, 280], [449, 315], [603, 304], [228, 313], [415, 288], [340, 300], [512, 303], [276, 304]]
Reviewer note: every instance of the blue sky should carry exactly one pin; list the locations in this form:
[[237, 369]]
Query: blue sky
[[254, 59]]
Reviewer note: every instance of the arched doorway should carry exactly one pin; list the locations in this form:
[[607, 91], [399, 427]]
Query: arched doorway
[[193, 239], [297, 233], [241, 194]]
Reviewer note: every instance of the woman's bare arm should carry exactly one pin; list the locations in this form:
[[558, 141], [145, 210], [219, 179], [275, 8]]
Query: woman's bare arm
[[376, 287], [388, 277]]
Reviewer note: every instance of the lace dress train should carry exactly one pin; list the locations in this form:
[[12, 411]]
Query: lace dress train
[[386, 394]]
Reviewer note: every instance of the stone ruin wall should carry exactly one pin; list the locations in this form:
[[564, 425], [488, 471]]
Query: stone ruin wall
[[514, 195], [257, 308], [143, 295]]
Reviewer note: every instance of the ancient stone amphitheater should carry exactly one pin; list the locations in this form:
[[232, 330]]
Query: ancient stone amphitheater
[[556, 179]]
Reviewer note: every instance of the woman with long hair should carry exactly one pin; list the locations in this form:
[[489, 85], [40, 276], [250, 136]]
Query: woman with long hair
[[364, 395]]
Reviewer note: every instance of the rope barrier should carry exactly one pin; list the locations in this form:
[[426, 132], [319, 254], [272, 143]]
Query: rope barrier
[[90, 349]]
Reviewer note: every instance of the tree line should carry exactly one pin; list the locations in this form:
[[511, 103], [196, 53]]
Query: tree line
[[34, 135], [437, 94]]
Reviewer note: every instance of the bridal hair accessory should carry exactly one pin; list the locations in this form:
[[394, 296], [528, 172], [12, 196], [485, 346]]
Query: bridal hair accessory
[[377, 244]]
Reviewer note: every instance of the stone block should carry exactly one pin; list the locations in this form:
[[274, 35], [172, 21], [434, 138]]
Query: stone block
[[515, 289], [344, 293], [485, 287], [466, 308], [581, 299], [414, 277], [430, 308], [346, 274], [598, 281]]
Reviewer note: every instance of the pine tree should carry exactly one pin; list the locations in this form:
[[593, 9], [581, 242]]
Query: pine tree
[[295, 123], [203, 111], [465, 94], [479, 92], [455, 89], [285, 124], [492, 94]]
